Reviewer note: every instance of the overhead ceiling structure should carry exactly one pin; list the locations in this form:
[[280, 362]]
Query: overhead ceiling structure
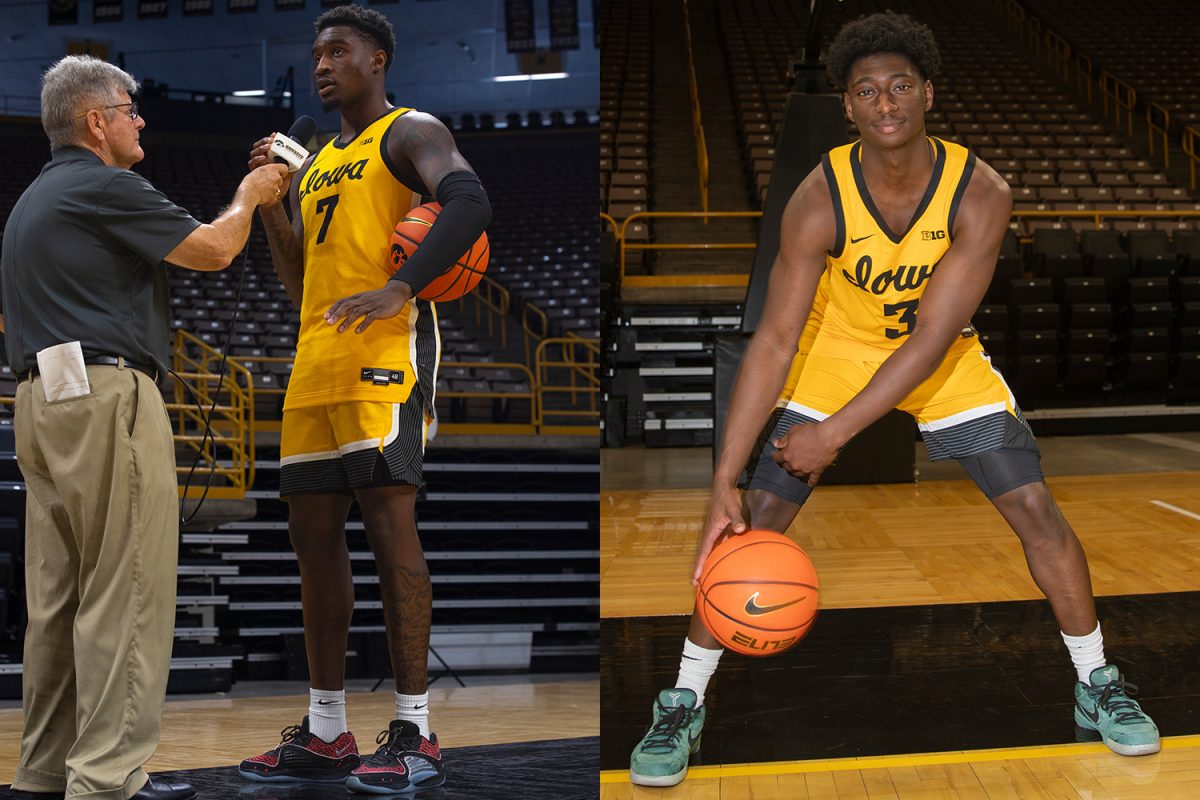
[[449, 52]]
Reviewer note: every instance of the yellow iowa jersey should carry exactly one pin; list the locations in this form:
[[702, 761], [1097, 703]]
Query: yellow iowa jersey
[[350, 201], [877, 275]]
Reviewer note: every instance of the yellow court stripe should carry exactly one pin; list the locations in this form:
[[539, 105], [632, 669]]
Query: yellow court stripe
[[907, 760]]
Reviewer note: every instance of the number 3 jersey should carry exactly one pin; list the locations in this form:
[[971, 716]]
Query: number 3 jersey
[[351, 198], [877, 275]]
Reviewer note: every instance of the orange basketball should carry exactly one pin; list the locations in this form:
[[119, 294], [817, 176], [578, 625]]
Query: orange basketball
[[758, 593], [455, 281]]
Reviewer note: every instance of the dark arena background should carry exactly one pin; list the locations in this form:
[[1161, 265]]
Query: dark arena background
[[935, 668], [508, 513]]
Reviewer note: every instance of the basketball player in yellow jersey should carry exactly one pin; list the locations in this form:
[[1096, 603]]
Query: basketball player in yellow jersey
[[361, 394], [907, 229]]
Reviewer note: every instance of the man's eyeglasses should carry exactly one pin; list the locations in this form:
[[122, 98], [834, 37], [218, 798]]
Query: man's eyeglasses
[[133, 110]]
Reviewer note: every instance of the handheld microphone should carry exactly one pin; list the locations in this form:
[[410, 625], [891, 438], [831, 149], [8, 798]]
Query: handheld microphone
[[288, 149]]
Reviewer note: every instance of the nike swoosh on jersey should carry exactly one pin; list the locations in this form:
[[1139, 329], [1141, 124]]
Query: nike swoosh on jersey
[[861, 238], [754, 609]]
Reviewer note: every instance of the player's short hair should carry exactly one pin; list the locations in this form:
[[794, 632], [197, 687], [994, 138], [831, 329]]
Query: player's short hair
[[368, 23], [885, 32], [73, 85]]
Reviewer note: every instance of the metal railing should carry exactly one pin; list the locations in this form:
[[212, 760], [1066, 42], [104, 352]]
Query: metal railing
[[712, 279], [579, 359], [697, 123], [1123, 97], [491, 307], [1058, 55], [1191, 136], [531, 314], [229, 450], [608, 220], [1083, 70], [1151, 108]]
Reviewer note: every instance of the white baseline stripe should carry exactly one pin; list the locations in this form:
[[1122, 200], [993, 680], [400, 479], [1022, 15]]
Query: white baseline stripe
[[1176, 509]]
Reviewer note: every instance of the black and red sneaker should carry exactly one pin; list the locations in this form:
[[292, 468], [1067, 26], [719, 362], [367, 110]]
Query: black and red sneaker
[[303, 756], [405, 762]]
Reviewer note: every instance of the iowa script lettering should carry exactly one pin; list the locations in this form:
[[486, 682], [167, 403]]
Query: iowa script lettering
[[319, 180], [902, 278]]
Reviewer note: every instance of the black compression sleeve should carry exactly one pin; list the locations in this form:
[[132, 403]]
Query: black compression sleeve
[[465, 214]]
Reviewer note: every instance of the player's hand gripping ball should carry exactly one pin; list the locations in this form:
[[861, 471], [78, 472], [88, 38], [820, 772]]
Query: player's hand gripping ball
[[758, 593], [455, 281]]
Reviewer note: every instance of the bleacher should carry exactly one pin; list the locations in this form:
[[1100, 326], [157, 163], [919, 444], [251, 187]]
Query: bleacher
[[626, 114], [1156, 53]]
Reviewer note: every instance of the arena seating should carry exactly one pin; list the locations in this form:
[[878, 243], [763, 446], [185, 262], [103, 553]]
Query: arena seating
[[544, 229], [626, 114], [1077, 313], [1156, 52], [625, 109]]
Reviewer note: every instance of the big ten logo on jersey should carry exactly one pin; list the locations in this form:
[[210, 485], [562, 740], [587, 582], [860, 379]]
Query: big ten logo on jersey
[[765, 645], [929, 236], [318, 180]]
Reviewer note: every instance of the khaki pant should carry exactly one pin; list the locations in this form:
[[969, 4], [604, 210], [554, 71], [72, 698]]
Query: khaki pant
[[101, 555]]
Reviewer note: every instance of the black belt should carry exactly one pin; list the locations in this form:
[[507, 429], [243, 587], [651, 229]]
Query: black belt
[[106, 361]]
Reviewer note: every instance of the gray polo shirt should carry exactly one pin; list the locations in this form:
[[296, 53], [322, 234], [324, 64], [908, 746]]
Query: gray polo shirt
[[82, 261]]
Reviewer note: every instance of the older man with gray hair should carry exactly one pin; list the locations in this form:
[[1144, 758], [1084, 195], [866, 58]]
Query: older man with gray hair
[[83, 273]]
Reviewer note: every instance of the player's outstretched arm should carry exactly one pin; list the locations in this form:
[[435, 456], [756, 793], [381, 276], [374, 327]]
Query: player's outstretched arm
[[421, 146], [285, 237], [807, 234], [954, 292]]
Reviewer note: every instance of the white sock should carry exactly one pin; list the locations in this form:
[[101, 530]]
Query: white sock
[[414, 708], [1087, 653], [696, 667], [326, 714]]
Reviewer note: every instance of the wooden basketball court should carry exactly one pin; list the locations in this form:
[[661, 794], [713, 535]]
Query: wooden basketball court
[[931, 544]]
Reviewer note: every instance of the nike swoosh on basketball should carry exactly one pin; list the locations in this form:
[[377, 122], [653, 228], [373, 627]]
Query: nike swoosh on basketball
[[861, 238], [754, 609]]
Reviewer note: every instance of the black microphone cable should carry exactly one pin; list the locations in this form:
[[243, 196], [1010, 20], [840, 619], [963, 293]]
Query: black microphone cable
[[301, 131], [187, 484]]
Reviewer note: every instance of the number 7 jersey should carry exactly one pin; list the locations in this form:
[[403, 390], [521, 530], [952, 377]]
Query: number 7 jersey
[[350, 199], [877, 275]]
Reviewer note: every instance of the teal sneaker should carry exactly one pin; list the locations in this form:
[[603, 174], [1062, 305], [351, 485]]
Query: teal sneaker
[[661, 757], [1105, 710]]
